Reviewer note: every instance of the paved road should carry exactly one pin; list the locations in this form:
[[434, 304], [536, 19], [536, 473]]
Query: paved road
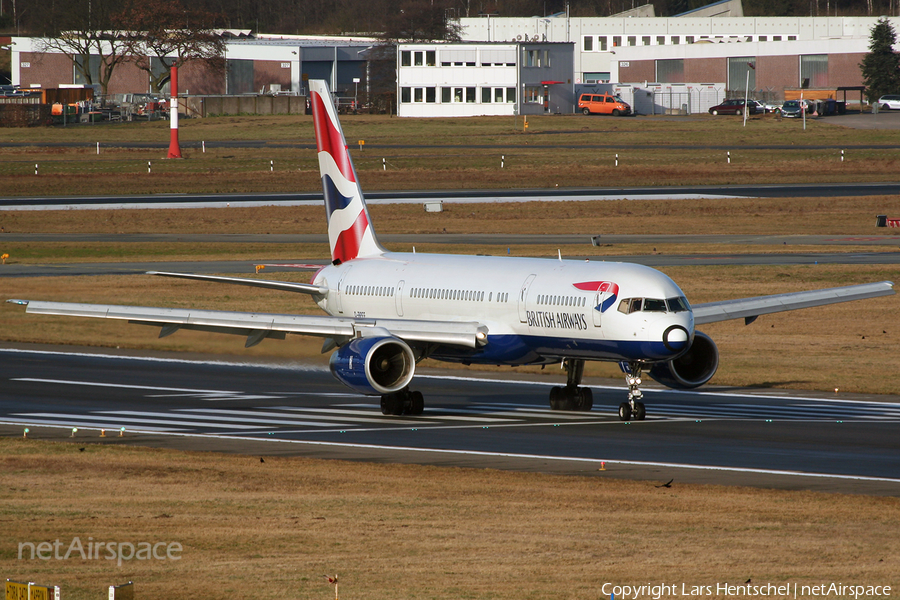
[[456, 196], [773, 438]]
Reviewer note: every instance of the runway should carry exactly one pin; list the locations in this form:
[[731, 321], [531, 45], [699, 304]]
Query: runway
[[770, 438], [160, 201]]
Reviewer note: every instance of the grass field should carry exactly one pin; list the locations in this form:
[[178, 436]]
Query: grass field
[[571, 150], [270, 530]]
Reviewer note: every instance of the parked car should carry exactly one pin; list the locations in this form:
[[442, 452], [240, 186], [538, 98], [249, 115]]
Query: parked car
[[794, 108], [889, 102], [603, 104], [733, 106], [760, 107]]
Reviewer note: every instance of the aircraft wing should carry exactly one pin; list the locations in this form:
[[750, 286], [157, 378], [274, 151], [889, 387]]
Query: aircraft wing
[[750, 308], [259, 326], [284, 286]]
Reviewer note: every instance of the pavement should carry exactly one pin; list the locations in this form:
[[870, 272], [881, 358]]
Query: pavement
[[866, 120]]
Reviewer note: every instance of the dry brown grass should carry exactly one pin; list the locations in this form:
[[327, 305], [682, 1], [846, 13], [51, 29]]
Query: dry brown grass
[[776, 216], [272, 529]]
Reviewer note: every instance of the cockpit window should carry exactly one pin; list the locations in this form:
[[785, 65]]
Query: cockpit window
[[674, 305], [679, 304], [654, 305]]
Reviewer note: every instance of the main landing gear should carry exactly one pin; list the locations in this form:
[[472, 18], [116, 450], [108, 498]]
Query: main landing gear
[[572, 397], [404, 402], [634, 408]]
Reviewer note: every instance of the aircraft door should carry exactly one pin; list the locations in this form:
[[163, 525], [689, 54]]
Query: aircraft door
[[523, 295], [336, 294], [598, 300], [399, 298]]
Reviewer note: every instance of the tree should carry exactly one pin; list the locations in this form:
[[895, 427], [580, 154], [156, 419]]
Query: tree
[[86, 32], [422, 21], [171, 34], [881, 65]]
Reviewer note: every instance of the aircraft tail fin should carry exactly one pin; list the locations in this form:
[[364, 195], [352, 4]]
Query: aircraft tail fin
[[350, 231]]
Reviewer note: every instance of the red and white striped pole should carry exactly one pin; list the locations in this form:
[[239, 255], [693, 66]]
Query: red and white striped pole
[[174, 148]]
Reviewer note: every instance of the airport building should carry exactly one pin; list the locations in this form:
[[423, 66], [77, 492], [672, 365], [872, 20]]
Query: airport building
[[529, 65]]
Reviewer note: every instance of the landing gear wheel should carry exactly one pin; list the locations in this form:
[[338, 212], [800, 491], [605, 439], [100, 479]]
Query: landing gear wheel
[[634, 407], [392, 404], [585, 399], [572, 396], [639, 411], [403, 402], [416, 403], [557, 398]]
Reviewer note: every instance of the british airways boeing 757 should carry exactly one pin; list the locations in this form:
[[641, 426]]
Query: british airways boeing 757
[[386, 311]]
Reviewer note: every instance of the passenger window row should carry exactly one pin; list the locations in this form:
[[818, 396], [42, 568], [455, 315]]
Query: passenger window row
[[561, 300]]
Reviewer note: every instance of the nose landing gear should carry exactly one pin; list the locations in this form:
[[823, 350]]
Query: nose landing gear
[[633, 408], [572, 397]]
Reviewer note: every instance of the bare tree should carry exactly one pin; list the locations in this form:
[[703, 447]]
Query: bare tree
[[173, 35], [86, 32]]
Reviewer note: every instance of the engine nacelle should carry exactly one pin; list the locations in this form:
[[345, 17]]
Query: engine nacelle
[[374, 366], [693, 368]]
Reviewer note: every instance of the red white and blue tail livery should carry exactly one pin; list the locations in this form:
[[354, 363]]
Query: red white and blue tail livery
[[385, 311], [349, 226]]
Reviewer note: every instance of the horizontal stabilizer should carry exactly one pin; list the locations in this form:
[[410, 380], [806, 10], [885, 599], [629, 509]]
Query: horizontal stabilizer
[[749, 308]]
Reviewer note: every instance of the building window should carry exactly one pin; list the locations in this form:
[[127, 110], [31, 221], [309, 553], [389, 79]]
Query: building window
[[498, 94], [485, 95], [510, 94], [470, 94], [660, 40], [763, 38], [632, 40], [617, 41], [588, 43], [533, 94], [602, 41], [599, 77], [532, 58], [431, 95], [405, 58], [457, 94], [645, 40], [430, 58], [688, 39], [405, 94], [776, 38], [446, 94], [670, 70], [740, 71], [814, 71], [675, 40], [792, 38], [418, 94], [419, 58]]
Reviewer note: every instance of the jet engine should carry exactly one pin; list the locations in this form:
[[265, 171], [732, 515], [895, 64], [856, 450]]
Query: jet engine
[[374, 366], [693, 368]]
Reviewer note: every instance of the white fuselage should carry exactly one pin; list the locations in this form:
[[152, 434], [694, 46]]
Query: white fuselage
[[536, 310]]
